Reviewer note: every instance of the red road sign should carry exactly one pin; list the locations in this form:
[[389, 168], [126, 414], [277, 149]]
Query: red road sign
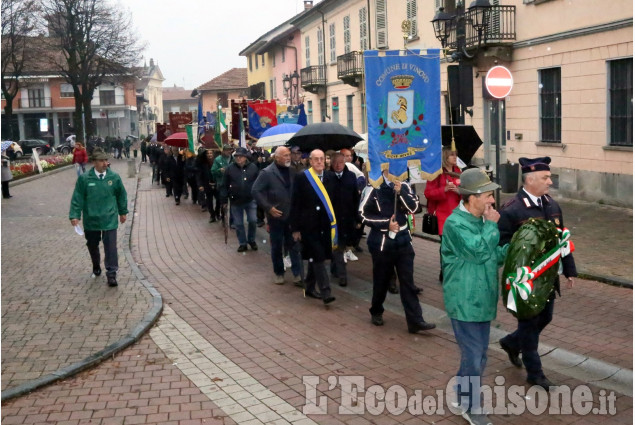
[[499, 82]]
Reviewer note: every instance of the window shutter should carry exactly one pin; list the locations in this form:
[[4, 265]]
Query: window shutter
[[411, 12], [363, 41], [347, 34], [306, 51], [332, 41], [381, 24]]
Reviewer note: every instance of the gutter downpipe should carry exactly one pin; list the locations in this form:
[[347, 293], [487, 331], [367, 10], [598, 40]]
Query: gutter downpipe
[[324, 60]]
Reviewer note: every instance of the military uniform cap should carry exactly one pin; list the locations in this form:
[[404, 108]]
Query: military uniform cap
[[529, 165]]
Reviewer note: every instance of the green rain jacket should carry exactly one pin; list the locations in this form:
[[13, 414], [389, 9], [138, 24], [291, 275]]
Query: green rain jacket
[[470, 258], [220, 162], [101, 202]]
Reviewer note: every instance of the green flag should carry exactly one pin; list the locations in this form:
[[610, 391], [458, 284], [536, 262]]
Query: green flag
[[220, 127], [191, 131]]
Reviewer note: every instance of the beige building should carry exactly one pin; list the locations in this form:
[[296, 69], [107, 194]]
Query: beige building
[[571, 64], [150, 98]]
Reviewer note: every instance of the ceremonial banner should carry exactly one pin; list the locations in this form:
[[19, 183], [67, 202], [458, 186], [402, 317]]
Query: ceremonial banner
[[261, 116], [178, 121], [403, 102]]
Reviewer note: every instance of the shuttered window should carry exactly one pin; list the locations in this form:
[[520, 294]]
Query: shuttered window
[[307, 54], [347, 33], [411, 16], [332, 42], [320, 38], [381, 24], [363, 29]]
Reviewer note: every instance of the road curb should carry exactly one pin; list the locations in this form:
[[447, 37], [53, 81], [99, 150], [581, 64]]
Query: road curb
[[582, 274], [133, 336]]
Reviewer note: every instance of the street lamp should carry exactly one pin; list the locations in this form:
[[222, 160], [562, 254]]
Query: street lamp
[[286, 83], [478, 16]]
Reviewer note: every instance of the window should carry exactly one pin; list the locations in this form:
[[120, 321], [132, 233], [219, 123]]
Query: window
[[310, 112], [550, 105], [320, 40], [272, 88], [363, 30], [273, 58], [411, 15], [332, 41], [381, 24], [256, 60], [36, 98], [262, 57], [106, 97], [284, 54], [250, 68], [621, 102], [347, 33], [307, 54], [66, 90], [335, 108], [349, 111], [222, 99]]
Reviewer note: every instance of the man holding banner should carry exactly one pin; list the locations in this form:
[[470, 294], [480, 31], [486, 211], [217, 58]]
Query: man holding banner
[[404, 132], [313, 223]]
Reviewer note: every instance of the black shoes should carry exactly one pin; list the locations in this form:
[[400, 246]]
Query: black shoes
[[414, 328], [377, 320], [514, 355], [96, 272], [328, 300], [112, 281], [311, 294], [541, 382], [253, 246], [212, 220], [178, 202], [418, 289], [358, 248], [242, 248], [343, 281], [393, 289]]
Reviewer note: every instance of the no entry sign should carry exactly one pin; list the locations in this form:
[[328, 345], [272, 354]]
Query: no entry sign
[[499, 82]]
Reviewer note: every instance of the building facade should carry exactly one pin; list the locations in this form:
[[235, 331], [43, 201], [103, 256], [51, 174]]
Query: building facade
[[149, 90], [45, 105], [178, 99]]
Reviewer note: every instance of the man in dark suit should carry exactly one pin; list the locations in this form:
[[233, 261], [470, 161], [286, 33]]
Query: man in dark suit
[[345, 202], [272, 191], [311, 224], [534, 201]]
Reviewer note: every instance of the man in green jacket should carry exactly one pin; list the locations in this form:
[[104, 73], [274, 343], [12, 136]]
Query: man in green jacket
[[470, 256], [100, 197]]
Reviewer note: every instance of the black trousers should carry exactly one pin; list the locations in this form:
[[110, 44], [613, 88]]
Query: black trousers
[[385, 262], [111, 261], [191, 182], [5, 189]]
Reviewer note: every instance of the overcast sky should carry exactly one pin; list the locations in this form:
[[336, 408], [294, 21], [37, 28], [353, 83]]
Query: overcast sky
[[196, 40]]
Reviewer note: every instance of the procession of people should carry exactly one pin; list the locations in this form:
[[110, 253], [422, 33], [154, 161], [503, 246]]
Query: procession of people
[[315, 205]]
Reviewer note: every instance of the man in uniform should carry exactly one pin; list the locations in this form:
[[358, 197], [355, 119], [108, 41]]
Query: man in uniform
[[99, 197], [534, 201], [390, 245]]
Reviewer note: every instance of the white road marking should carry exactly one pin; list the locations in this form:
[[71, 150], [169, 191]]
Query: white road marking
[[232, 389]]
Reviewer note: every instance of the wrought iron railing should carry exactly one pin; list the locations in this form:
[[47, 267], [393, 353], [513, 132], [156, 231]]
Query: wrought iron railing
[[501, 28]]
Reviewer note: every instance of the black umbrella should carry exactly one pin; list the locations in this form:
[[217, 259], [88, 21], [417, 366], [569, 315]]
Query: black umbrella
[[466, 140], [325, 136]]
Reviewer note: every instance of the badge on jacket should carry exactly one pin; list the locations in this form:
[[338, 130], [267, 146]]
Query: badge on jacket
[[109, 182]]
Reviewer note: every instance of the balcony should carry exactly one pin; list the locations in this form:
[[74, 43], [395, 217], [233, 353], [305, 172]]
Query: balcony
[[350, 68], [313, 77], [35, 102], [501, 29]]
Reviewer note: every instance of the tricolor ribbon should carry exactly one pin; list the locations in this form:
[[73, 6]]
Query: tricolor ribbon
[[521, 283], [320, 190]]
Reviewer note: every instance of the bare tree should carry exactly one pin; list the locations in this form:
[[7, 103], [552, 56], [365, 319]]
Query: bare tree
[[18, 24], [98, 45]]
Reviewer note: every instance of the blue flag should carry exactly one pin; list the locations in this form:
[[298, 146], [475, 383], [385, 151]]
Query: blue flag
[[200, 118], [403, 101]]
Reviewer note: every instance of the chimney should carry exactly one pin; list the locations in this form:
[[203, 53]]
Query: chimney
[[151, 62], [308, 4]]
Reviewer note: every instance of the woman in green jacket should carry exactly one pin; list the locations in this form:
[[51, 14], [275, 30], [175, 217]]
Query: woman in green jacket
[[470, 256]]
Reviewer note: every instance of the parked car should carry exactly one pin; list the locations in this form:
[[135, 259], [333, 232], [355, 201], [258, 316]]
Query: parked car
[[14, 151], [29, 145]]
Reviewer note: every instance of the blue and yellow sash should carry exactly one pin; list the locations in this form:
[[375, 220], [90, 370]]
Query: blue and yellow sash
[[320, 190]]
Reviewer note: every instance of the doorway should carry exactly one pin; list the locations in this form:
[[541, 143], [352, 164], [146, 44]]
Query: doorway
[[495, 130]]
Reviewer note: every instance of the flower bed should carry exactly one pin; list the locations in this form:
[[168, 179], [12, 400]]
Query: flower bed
[[25, 169]]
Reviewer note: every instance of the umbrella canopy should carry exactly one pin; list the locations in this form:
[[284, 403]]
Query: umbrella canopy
[[362, 146], [178, 140], [325, 136], [5, 145], [154, 138], [466, 140], [277, 135]]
